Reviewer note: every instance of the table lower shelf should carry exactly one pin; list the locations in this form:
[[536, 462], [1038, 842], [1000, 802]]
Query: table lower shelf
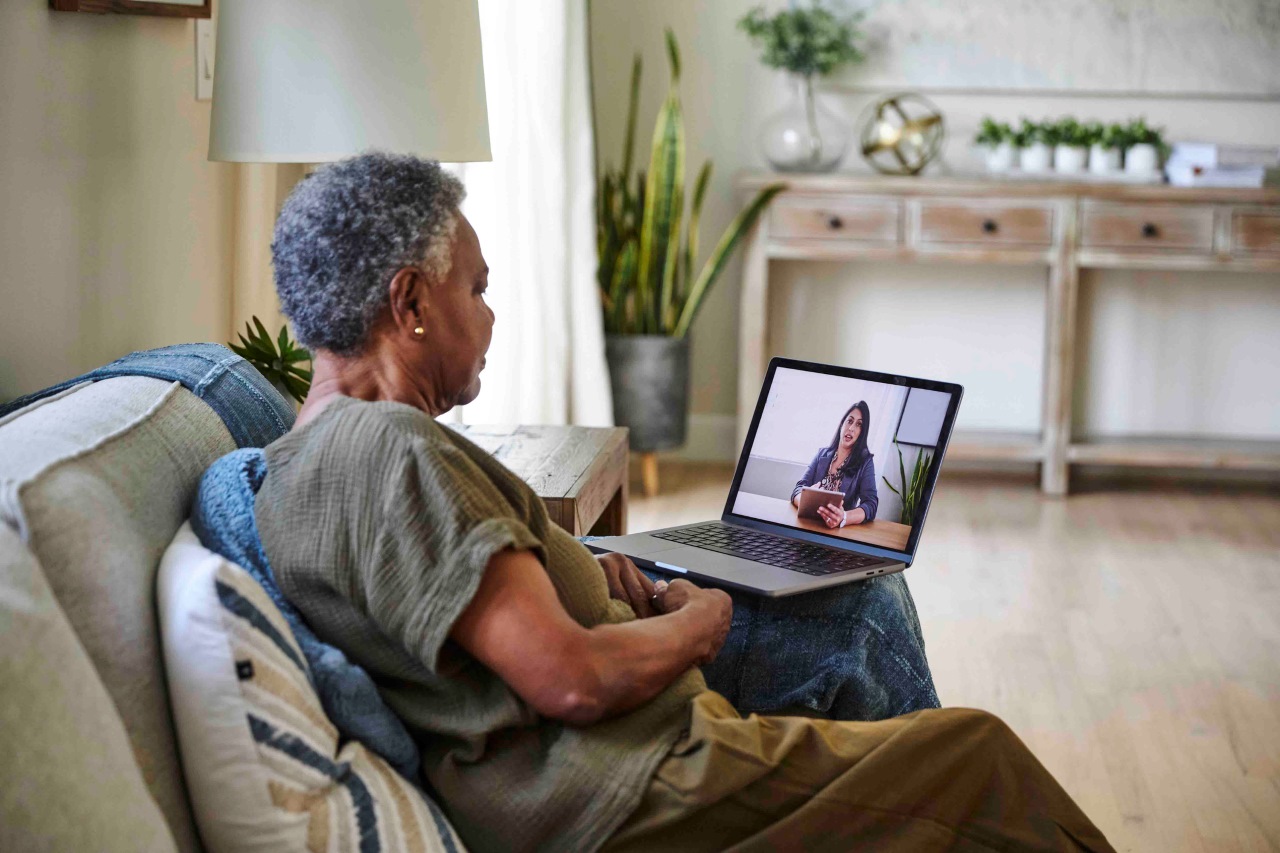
[[985, 446], [1165, 452], [1123, 451]]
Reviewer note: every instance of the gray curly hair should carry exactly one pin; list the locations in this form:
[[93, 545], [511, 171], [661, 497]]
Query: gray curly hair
[[344, 232]]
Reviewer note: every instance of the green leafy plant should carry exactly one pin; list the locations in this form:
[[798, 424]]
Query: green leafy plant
[[646, 246], [992, 132], [805, 41], [277, 360], [912, 493], [1138, 132], [1112, 136], [1068, 131], [1031, 132]]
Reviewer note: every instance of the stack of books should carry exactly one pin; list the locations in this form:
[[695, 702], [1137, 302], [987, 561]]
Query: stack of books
[[1208, 164]]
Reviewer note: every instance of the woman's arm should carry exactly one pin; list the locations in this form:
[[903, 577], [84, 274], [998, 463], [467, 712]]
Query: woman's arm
[[865, 490], [516, 626], [810, 477]]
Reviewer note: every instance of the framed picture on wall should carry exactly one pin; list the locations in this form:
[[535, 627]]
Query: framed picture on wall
[[167, 8]]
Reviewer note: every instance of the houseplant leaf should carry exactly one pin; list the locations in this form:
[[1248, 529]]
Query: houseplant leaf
[[695, 219], [715, 264], [664, 190]]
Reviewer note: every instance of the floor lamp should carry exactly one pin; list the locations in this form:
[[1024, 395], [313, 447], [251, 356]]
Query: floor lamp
[[312, 81]]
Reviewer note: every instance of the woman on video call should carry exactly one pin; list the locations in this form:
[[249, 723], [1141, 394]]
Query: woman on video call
[[845, 466]]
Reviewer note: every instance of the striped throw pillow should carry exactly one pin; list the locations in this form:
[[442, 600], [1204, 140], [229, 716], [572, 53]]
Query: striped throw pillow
[[264, 766]]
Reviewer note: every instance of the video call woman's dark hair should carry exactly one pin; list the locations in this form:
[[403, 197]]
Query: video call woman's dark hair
[[859, 445]]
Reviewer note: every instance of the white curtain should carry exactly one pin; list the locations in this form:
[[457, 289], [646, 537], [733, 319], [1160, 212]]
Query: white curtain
[[533, 209]]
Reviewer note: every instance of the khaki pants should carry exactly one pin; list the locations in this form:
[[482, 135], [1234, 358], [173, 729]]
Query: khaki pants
[[950, 779]]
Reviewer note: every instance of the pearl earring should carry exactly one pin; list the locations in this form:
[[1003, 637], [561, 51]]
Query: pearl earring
[[419, 331]]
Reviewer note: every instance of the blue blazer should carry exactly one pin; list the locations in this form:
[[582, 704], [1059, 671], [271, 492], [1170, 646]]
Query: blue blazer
[[858, 486]]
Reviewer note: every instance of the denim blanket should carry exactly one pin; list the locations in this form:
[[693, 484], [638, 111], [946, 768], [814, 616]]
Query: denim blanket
[[222, 517]]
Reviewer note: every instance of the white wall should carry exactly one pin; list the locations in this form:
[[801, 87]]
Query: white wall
[[115, 233], [1167, 352], [805, 409]]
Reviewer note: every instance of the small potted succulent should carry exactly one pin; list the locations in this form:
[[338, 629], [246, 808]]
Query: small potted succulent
[[1106, 144], [1038, 140], [997, 141], [1071, 149], [1145, 148]]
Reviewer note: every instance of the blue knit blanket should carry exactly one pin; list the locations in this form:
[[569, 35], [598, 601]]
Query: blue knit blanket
[[222, 518]]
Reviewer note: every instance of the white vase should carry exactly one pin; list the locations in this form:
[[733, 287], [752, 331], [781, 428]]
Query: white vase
[[1069, 159], [1103, 161], [1037, 157], [999, 158], [1141, 159]]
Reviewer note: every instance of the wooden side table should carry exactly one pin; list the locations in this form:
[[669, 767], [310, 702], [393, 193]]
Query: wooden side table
[[579, 472]]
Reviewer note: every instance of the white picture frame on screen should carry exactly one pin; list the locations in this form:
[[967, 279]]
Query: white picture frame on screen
[[920, 423]]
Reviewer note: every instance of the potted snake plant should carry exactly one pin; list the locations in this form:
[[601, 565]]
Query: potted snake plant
[[650, 290]]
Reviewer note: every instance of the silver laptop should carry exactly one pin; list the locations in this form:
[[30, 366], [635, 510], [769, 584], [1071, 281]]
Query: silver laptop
[[832, 486]]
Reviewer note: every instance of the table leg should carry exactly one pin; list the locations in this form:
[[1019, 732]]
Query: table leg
[[613, 521], [1064, 285], [649, 473]]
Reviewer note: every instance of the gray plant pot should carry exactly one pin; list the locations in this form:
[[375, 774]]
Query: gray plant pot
[[649, 375]]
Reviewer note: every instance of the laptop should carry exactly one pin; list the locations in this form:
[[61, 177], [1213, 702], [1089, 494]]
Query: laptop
[[819, 433]]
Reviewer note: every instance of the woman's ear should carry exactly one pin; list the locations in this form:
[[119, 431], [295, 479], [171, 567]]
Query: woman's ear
[[408, 300]]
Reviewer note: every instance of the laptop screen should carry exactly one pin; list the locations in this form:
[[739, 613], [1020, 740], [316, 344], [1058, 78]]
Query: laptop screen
[[846, 454]]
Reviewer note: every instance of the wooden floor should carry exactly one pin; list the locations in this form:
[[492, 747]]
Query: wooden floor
[[1130, 635]]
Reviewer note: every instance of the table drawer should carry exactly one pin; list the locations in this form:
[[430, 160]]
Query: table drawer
[[985, 223], [1256, 232], [817, 217], [1144, 227]]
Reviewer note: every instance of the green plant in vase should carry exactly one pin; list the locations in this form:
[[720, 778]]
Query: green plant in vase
[[1145, 149], [1038, 141], [912, 493], [997, 141], [1071, 145], [650, 289], [278, 360], [806, 42], [1106, 144]]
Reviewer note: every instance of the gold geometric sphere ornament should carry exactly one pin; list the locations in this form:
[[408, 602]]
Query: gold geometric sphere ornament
[[901, 134]]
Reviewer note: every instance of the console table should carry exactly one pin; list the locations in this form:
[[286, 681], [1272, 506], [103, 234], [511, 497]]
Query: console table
[[1064, 226]]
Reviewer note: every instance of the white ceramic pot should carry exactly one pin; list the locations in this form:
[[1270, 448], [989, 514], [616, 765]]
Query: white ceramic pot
[[1069, 159], [999, 157], [1103, 161], [1037, 157], [1141, 159]]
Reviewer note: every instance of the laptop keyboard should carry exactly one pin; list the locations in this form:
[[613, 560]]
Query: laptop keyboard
[[768, 549]]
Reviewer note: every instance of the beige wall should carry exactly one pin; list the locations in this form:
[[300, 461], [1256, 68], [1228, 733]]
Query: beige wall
[[1164, 353], [115, 233]]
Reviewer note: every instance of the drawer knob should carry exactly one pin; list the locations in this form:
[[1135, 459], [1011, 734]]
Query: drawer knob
[[835, 223], [1149, 229], [989, 226]]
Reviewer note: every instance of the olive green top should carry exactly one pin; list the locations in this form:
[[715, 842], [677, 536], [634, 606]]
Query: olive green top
[[378, 523]]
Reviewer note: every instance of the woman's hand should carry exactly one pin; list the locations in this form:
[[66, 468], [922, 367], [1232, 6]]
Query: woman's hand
[[628, 584], [833, 515], [714, 607]]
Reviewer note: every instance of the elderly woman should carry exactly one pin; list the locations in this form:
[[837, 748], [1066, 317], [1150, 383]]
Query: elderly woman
[[556, 705]]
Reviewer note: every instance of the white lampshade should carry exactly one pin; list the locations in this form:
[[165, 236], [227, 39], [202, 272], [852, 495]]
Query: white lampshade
[[311, 81]]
